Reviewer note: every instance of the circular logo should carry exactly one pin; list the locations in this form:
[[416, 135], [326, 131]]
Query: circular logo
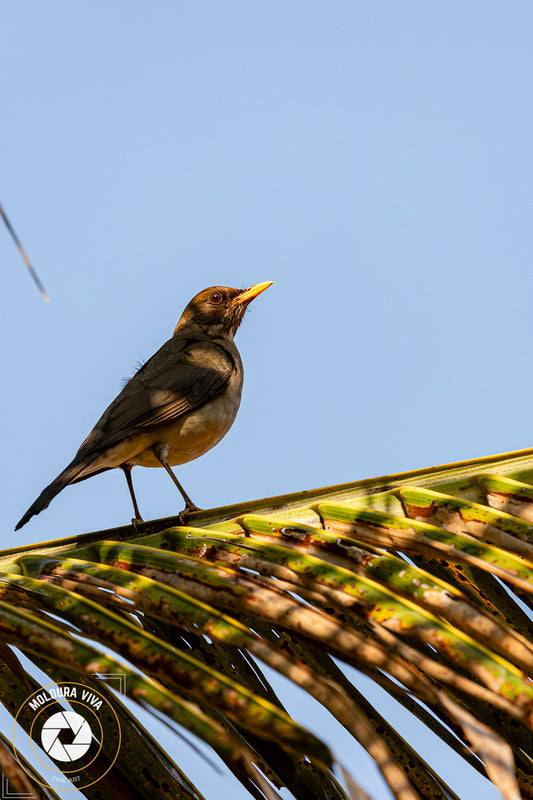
[[62, 748], [73, 731]]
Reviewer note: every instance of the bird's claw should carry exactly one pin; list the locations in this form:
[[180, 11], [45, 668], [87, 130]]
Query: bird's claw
[[182, 516], [135, 521]]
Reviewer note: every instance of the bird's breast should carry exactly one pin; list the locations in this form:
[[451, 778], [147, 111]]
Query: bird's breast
[[194, 433]]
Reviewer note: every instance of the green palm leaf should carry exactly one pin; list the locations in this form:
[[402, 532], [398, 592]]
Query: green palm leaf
[[421, 581]]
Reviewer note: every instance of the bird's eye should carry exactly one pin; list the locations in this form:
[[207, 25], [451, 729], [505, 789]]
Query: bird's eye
[[215, 297]]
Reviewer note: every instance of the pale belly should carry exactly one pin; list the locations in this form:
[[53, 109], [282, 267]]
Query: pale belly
[[197, 433], [188, 438]]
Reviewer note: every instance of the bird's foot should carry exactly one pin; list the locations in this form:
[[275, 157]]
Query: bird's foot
[[189, 508], [135, 521]]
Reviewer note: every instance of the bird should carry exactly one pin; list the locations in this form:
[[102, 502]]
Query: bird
[[176, 407]]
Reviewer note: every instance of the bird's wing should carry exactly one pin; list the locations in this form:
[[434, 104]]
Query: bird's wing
[[182, 375]]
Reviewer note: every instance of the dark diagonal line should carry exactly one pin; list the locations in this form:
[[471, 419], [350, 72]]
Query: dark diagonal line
[[24, 256]]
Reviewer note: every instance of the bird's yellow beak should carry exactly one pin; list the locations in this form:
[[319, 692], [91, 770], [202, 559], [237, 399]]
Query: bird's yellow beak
[[253, 291]]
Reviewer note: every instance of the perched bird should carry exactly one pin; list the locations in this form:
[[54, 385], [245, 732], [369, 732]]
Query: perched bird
[[178, 405]]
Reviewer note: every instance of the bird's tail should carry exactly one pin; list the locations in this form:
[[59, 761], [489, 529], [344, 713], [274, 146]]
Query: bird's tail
[[70, 474]]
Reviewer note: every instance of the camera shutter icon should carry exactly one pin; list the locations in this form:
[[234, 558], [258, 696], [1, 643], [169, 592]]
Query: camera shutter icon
[[75, 732]]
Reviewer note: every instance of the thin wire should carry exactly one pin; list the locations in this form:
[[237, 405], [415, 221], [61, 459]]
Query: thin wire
[[24, 256]]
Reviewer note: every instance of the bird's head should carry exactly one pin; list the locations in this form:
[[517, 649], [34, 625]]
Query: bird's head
[[218, 311]]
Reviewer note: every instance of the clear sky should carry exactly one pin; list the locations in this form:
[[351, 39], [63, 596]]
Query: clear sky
[[373, 159]]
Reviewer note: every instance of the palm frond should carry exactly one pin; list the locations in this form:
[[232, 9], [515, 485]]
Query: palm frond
[[421, 581]]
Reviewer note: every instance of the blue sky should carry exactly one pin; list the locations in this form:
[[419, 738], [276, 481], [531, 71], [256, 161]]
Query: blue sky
[[373, 159]]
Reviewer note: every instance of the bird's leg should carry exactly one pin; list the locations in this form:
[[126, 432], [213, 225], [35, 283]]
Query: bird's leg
[[161, 452], [126, 468]]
